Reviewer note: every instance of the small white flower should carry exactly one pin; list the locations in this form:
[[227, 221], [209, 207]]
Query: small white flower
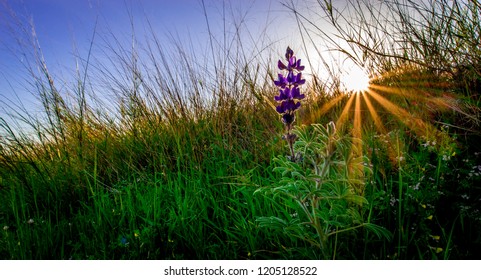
[[392, 201], [31, 221], [5, 228]]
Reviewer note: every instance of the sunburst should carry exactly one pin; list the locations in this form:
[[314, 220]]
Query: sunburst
[[411, 99], [355, 79]]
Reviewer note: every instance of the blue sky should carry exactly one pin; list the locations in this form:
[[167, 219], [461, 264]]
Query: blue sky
[[64, 29], [61, 24]]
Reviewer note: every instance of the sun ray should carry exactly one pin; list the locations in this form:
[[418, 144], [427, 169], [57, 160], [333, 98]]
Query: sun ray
[[345, 112], [326, 107], [403, 93], [415, 124], [356, 131], [377, 120], [433, 103], [316, 114], [356, 167]]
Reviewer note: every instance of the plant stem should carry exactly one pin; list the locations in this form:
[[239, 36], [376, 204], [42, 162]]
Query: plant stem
[[346, 229], [290, 140]]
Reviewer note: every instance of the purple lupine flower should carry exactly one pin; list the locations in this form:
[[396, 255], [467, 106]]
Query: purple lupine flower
[[288, 106], [288, 118], [289, 53], [283, 94], [282, 82], [289, 93]]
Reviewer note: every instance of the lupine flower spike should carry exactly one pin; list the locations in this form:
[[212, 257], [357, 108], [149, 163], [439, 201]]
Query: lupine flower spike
[[289, 93]]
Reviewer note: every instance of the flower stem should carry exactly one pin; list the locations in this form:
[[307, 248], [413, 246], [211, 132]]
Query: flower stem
[[290, 139]]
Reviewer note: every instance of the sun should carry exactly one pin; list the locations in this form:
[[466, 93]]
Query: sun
[[355, 79]]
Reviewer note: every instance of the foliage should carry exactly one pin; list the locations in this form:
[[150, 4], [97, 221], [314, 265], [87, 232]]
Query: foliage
[[321, 192], [182, 162]]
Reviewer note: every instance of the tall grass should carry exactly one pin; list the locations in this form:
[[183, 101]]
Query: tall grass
[[155, 151], [423, 58]]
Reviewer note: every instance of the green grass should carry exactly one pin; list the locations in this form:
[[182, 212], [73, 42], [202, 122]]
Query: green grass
[[161, 171], [182, 203]]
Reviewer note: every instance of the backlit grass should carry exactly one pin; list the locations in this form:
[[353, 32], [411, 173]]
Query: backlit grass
[[135, 160]]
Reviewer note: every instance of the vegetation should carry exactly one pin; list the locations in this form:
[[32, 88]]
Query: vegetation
[[136, 160]]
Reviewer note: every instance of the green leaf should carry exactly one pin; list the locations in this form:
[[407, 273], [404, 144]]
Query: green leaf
[[379, 231], [272, 222], [357, 199]]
